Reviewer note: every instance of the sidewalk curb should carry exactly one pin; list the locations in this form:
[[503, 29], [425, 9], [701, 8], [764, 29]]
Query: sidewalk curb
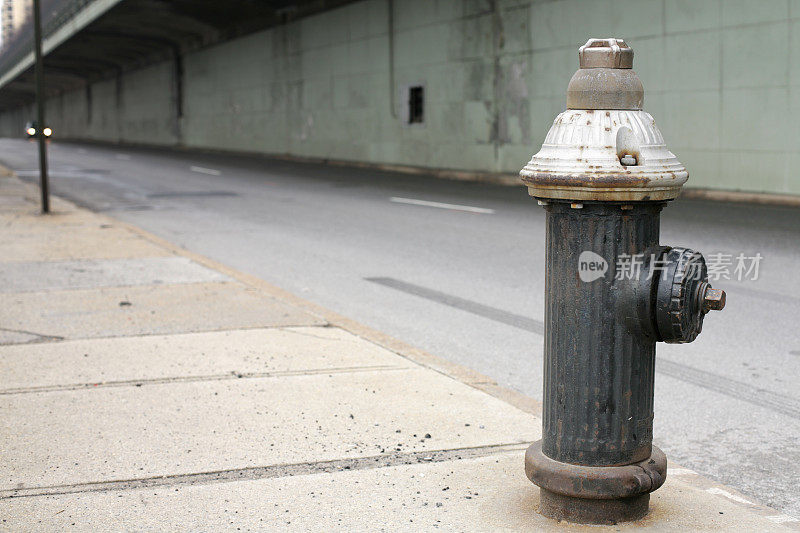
[[455, 371], [452, 370]]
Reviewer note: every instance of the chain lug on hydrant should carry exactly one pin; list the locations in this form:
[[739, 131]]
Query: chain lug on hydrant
[[603, 175]]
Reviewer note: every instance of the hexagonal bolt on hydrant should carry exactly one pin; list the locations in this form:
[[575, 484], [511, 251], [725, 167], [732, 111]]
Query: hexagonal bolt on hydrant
[[612, 291]]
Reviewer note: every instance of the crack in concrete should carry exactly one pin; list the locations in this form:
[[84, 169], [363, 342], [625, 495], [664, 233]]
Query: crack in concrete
[[39, 337], [223, 329], [213, 377], [307, 334], [266, 472]]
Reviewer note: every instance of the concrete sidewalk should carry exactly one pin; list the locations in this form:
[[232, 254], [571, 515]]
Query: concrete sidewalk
[[145, 388]]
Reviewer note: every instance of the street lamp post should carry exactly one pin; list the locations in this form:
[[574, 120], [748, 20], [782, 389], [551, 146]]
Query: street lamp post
[[39, 73]]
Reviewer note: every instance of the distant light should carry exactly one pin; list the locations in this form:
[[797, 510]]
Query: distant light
[[47, 132], [31, 131]]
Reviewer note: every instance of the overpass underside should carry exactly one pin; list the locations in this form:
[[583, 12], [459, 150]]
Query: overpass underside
[[460, 85], [86, 41]]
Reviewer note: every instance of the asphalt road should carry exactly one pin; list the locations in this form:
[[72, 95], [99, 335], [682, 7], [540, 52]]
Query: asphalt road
[[466, 283]]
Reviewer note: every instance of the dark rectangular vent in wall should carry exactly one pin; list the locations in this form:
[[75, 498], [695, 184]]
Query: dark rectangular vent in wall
[[416, 105]]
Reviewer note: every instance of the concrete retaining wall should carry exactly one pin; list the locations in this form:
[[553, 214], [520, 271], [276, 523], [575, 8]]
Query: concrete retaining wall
[[722, 79]]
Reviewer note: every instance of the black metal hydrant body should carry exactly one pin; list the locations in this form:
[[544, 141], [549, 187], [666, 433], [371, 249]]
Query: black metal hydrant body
[[598, 391], [612, 291]]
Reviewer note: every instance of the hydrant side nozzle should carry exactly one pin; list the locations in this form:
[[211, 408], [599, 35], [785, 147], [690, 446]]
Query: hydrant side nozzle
[[680, 296]]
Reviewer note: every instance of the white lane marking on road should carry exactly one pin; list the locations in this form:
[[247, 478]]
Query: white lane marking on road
[[203, 170], [782, 518], [729, 495], [124, 157], [440, 205]]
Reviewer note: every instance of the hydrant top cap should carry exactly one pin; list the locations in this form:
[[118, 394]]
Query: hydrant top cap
[[605, 79], [604, 147], [606, 53]]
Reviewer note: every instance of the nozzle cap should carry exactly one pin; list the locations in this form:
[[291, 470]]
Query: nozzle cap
[[610, 52]]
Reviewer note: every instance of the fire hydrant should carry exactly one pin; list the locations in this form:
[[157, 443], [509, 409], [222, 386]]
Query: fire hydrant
[[603, 175]]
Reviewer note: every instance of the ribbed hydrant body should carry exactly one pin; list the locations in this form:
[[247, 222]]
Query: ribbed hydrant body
[[598, 407], [612, 291]]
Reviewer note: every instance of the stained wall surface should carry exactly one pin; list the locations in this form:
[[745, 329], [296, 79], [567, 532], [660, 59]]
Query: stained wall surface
[[722, 79]]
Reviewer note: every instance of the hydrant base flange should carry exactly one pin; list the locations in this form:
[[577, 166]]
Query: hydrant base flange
[[594, 494], [587, 511]]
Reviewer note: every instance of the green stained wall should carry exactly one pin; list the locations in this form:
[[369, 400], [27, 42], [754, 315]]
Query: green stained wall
[[721, 77]]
